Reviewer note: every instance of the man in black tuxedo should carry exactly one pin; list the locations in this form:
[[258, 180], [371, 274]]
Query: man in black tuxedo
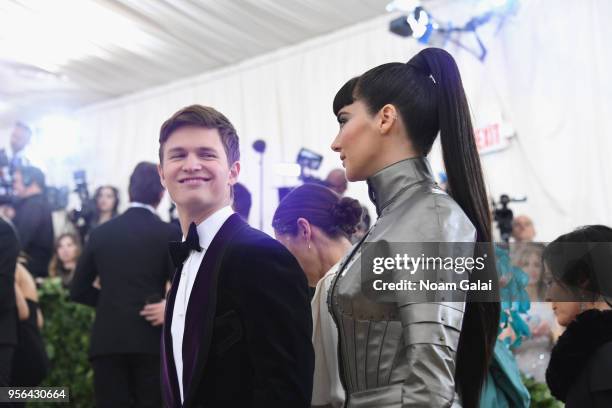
[[238, 325], [130, 255], [9, 249], [33, 219]]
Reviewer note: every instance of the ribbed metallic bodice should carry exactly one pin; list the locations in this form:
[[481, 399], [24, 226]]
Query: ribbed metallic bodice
[[400, 354]]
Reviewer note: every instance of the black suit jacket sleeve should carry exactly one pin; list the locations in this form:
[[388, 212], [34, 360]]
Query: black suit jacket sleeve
[[599, 373], [602, 399], [275, 309], [28, 220], [9, 249], [81, 289]]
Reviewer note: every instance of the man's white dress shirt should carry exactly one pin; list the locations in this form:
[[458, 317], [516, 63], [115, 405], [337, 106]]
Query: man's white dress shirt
[[206, 232]]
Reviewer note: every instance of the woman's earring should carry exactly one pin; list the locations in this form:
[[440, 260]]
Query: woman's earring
[[308, 244]]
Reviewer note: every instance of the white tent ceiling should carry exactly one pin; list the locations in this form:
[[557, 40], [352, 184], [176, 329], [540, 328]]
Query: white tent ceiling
[[62, 54], [545, 75]]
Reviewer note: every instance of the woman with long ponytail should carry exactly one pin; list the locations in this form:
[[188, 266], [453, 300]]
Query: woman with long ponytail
[[409, 352]]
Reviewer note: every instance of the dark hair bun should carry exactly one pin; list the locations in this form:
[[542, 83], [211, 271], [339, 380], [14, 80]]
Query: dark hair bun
[[347, 214]]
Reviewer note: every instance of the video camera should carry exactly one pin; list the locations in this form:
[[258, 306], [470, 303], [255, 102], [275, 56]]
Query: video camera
[[308, 161], [503, 215], [84, 216], [57, 197]]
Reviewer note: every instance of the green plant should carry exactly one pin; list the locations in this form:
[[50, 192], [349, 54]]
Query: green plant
[[66, 334], [540, 395]]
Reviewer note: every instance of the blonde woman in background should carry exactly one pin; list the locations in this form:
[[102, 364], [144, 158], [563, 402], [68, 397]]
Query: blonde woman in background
[[65, 257], [534, 353]]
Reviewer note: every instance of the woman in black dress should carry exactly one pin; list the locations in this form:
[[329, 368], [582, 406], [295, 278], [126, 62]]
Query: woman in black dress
[[30, 362], [580, 368]]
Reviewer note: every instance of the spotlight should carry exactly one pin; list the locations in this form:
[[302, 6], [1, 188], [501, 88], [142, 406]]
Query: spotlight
[[400, 27], [421, 25], [417, 24]]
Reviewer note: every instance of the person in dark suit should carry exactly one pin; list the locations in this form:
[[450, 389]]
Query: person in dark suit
[[33, 219], [238, 323], [9, 250], [241, 203], [130, 255]]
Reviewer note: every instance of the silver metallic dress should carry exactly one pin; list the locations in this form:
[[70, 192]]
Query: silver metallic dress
[[401, 354]]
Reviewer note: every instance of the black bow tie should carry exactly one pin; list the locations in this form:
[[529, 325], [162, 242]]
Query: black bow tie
[[179, 251]]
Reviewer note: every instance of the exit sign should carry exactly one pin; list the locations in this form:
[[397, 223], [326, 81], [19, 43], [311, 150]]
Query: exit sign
[[492, 138]]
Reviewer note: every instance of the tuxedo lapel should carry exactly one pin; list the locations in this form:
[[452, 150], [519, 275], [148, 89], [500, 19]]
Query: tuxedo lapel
[[201, 309], [170, 386]]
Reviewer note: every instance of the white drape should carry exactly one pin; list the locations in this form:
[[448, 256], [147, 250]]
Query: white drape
[[546, 75]]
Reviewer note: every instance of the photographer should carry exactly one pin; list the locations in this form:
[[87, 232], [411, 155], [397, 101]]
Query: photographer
[[33, 219], [95, 211], [20, 138]]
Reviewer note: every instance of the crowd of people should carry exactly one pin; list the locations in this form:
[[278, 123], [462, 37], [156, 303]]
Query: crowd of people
[[230, 316]]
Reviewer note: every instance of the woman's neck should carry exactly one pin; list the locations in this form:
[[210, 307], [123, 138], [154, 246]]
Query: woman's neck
[[105, 216], [397, 147], [69, 266], [335, 249]]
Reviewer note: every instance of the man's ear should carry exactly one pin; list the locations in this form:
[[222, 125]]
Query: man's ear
[[388, 115], [160, 171], [234, 173]]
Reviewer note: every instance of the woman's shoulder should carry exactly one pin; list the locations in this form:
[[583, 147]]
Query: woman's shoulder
[[431, 215], [599, 368], [26, 282], [582, 358], [325, 282]]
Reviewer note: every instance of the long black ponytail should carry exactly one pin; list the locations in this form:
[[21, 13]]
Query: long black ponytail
[[466, 186], [429, 94]]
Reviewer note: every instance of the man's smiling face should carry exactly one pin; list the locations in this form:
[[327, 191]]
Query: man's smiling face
[[195, 170]]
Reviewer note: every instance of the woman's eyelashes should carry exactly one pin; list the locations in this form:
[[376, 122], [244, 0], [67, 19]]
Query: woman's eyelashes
[[342, 119]]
